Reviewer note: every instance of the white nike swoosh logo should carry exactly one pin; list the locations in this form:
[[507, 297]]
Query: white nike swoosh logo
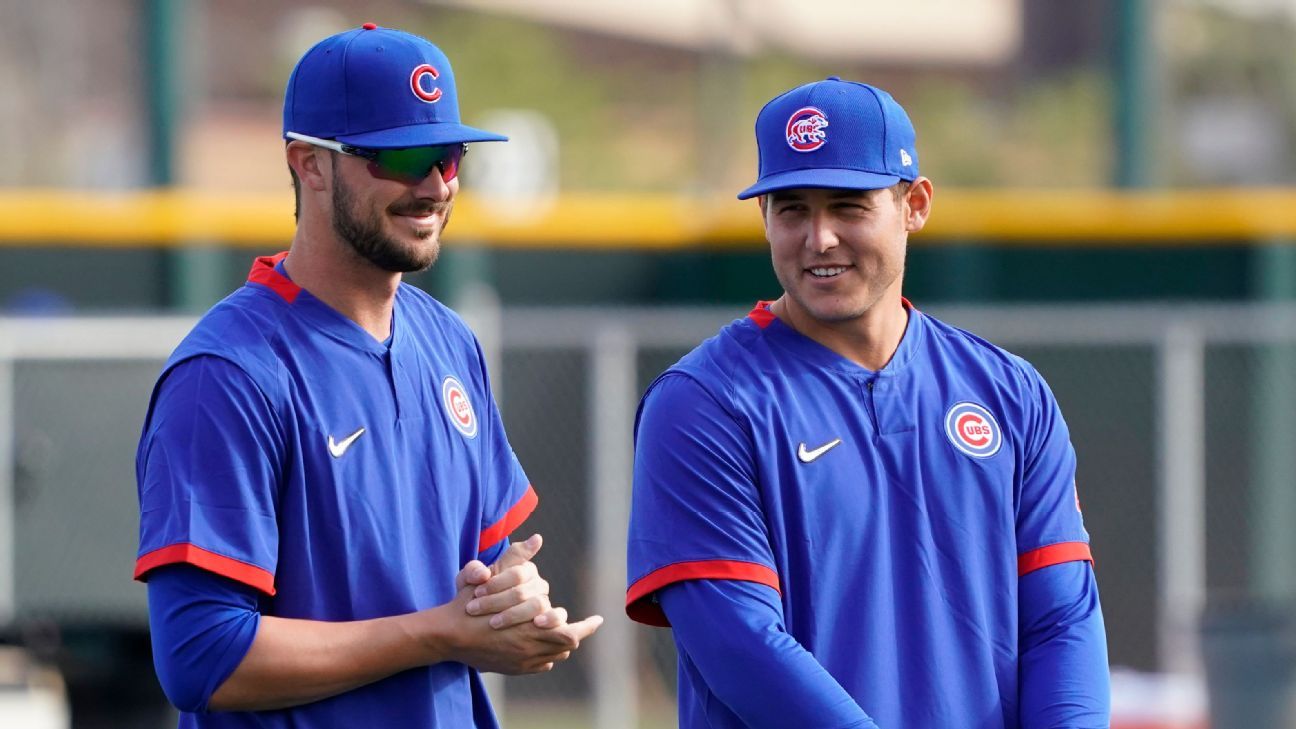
[[337, 449], [808, 456]]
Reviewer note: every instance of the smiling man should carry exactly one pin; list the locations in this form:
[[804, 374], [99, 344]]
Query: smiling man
[[323, 475], [850, 513]]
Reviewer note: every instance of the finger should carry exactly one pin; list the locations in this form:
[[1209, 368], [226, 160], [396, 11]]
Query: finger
[[542, 668], [512, 577], [586, 627], [491, 604], [518, 553], [550, 660], [559, 638], [473, 573], [569, 636], [519, 614], [551, 618]]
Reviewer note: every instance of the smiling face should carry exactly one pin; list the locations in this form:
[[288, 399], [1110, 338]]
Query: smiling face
[[839, 253], [393, 225]]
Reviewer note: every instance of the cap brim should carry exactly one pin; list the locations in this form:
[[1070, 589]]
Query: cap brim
[[421, 135], [833, 178]]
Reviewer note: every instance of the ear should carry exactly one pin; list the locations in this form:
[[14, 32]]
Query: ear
[[918, 202], [763, 202], [305, 159]]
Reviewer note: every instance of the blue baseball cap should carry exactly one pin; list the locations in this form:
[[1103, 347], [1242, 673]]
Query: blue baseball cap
[[379, 88], [833, 133]]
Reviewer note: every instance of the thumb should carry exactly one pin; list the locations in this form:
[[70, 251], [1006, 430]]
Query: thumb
[[473, 573], [518, 553]]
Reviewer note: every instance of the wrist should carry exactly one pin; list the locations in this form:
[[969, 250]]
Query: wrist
[[432, 631]]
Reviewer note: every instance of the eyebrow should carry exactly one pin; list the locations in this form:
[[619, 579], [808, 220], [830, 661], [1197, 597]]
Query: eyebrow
[[842, 194]]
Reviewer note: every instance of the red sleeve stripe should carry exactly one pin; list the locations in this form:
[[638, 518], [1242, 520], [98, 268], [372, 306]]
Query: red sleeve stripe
[[1051, 555], [643, 610], [492, 534], [263, 272], [248, 574]]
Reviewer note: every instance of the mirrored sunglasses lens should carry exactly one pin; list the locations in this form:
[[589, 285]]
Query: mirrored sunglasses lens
[[450, 164], [416, 163]]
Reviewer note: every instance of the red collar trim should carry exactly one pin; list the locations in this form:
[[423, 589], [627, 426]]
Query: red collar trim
[[263, 272], [763, 317], [761, 314]]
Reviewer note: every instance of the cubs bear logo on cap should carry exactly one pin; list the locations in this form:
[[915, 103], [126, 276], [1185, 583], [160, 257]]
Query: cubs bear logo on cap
[[805, 129], [833, 134], [457, 406], [973, 430]]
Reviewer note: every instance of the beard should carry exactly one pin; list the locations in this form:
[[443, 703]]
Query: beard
[[364, 231]]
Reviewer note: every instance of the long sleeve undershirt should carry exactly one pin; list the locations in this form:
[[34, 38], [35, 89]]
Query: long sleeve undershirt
[[1064, 681], [732, 634], [202, 625]]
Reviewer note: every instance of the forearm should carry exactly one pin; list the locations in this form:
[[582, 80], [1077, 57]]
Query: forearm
[[732, 632], [294, 662], [1065, 682], [214, 651]]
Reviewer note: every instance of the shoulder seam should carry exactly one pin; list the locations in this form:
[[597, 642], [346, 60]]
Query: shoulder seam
[[274, 408], [728, 408]]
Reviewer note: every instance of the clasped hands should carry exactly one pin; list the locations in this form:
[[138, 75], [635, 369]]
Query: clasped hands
[[511, 626]]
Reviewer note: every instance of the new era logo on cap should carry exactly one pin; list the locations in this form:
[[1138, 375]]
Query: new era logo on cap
[[379, 88], [835, 134]]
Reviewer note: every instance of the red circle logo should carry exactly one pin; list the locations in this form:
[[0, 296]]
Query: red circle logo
[[416, 84], [457, 406]]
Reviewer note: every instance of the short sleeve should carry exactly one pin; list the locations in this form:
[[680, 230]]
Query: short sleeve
[[696, 508], [511, 499], [1050, 527], [208, 471]]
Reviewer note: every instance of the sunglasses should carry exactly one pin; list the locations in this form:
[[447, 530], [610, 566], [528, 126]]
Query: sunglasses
[[410, 165]]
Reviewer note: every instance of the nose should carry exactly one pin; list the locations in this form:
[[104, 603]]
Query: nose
[[820, 238], [435, 188]]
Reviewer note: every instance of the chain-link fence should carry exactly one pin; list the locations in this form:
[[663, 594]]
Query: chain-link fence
[[1182, 418]]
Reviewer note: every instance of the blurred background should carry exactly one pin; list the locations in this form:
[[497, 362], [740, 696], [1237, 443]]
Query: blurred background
[[1115, 200]]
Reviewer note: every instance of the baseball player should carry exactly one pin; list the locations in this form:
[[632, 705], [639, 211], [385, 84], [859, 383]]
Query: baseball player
[[323, 474], [852, 514]]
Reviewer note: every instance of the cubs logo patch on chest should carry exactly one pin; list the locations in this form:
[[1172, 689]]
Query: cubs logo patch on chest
[[454, 398], [973, 430]]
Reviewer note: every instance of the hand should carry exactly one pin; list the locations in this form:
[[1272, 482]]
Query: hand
[[521, 648], [511, 591]]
